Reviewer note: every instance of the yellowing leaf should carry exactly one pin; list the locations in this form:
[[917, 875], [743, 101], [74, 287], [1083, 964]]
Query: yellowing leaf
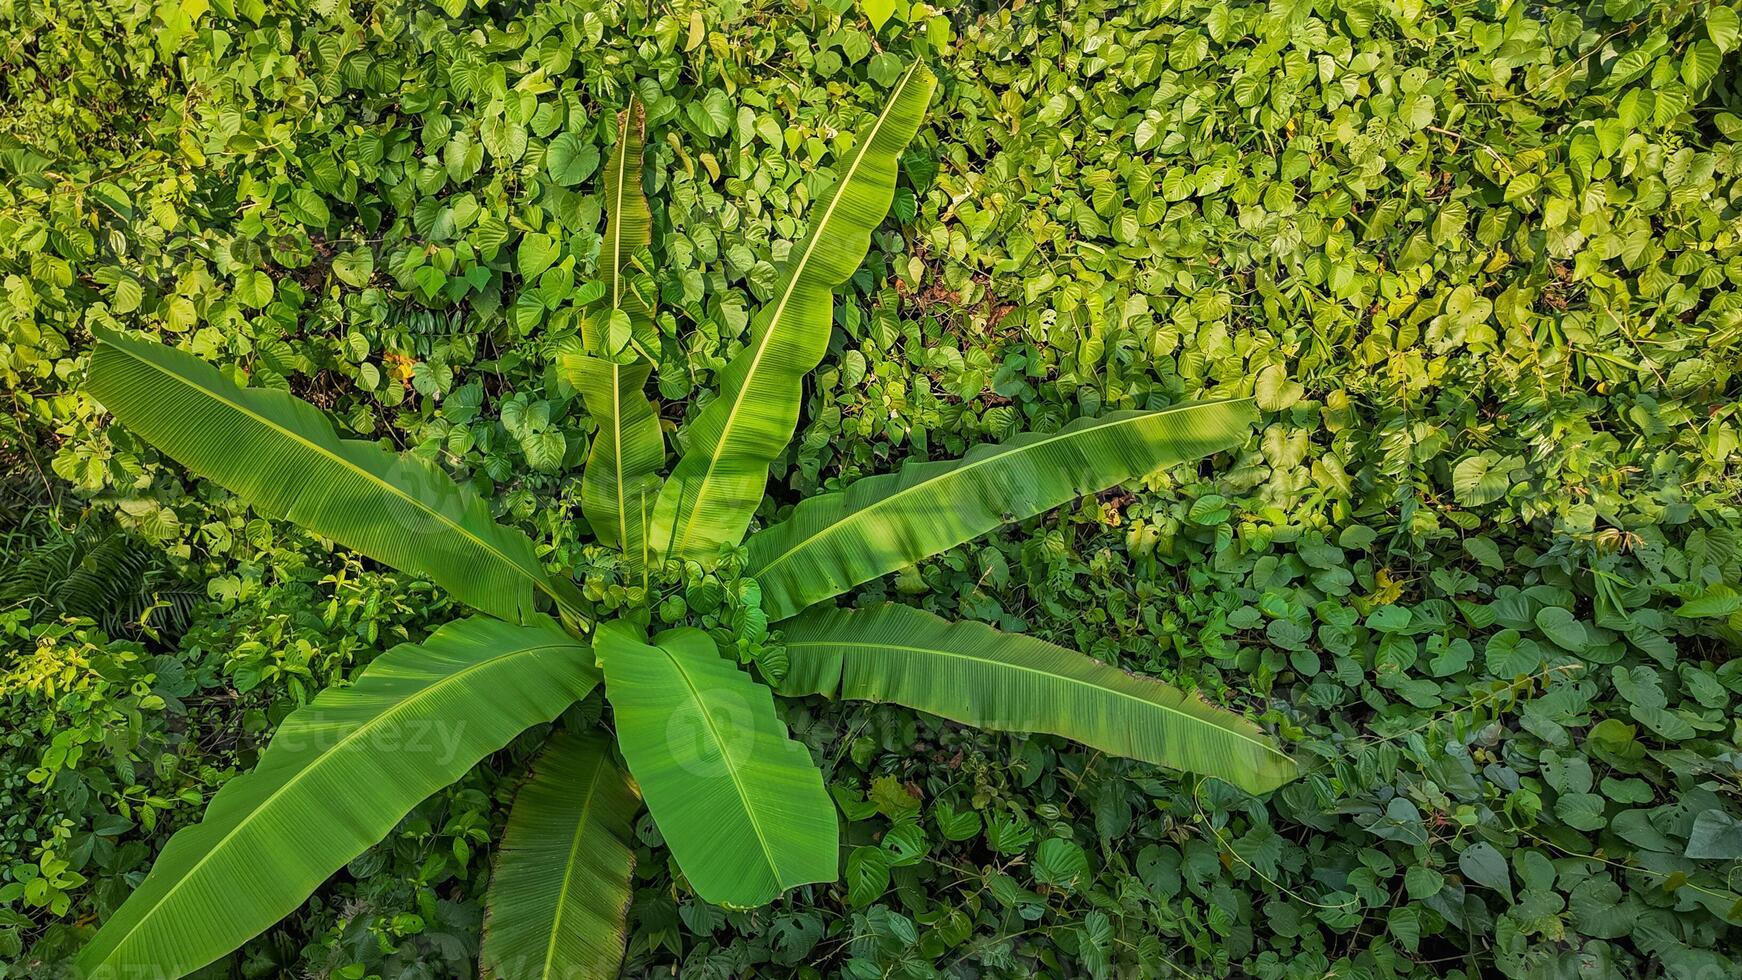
[[878, 11]]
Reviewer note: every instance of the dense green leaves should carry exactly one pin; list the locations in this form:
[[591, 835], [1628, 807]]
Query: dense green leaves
[[719, 481], [560, 889], [971, 673], [836, 541], [739, 803], [282, 455], [337, 776], [1417, 234]]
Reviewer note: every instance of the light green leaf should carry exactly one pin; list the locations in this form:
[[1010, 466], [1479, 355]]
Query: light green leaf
[[835, 541], [622, 475], [355, 268], [463, 157], [429, 281], [618, 332], [1480, 479], [489, 234], [544, 450], [1421, 111], [335, 779], [1274, 390], [114, 198], [884, 68], [253, 288], [1632, 63], [1563, 628], [1249, 88], [559, 895], [712, 113], [503, 138], [718, 484], [1723, 26], [310, 209], [1700, 63], [283, 457], [1209, 510], [570, 159], [128, 295], [536, 253], [1668, 102], [971, 673], [740, 804], [1176, 184]]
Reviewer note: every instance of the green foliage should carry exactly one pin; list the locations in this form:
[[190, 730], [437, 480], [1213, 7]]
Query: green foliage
[[1475, 263], [91, 570]]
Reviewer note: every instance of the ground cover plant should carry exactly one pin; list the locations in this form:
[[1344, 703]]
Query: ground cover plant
[[1475, 567]]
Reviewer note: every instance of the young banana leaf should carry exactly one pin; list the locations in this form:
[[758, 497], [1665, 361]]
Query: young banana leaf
[[621, 481], [719, 482], [628, 225]]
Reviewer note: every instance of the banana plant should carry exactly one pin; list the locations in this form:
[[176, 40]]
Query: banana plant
[[693, 735]]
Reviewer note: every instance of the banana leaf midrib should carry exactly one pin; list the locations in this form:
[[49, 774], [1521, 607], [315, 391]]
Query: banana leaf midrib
[[872, 507], [296, 778], [569, 868], [347, 464], [859, 154], [731, 769], [880, 645]]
